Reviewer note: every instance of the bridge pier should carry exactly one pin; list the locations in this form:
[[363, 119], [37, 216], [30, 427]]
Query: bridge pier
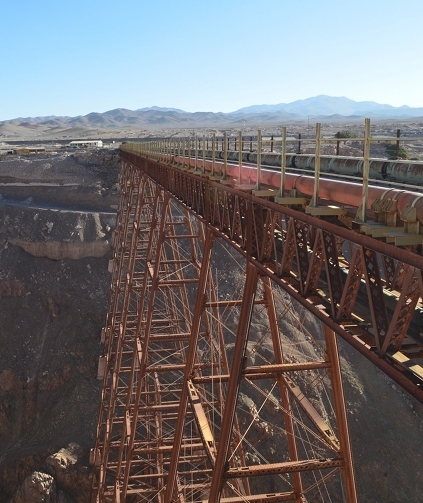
[[211, 379]]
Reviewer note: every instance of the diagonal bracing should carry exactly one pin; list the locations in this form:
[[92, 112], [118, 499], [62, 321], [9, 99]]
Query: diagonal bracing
[[216, 386]]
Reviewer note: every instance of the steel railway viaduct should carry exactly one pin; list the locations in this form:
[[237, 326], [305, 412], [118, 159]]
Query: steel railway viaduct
[[210, 261]]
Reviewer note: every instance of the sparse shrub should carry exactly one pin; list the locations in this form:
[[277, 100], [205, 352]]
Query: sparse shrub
[[345, 134], [394, 152]]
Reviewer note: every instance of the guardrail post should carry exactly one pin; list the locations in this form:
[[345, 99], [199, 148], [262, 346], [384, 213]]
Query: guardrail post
[[196, 152], [315, 200], [271, 143], [338, 135], [203, 167], [366, 166], [251, 143], [283, 164], [213, 154], [240, 156], [259, 147], [225, 154], [179, 151], [299, 143]]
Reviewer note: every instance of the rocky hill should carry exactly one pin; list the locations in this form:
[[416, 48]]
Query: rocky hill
[[120, 122]]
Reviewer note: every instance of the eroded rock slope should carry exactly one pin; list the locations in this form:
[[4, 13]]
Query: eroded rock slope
[[54, 251]]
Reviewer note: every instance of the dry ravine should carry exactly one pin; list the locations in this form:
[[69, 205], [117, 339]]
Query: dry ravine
[[57, 214]]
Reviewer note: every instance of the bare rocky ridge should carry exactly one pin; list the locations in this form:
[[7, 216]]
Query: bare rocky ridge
[[54, 285], [319, 108]]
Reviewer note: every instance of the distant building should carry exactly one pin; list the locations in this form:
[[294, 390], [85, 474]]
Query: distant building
[[85, 143], [29, 150]]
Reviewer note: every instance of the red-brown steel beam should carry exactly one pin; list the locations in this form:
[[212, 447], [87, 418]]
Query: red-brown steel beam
[[216, 195], [341, 414], [189, 365], [146, 332], [252, 227], [283, 388], [234, 381]]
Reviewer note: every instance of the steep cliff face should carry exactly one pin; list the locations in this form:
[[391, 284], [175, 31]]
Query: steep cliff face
[[54, 284]]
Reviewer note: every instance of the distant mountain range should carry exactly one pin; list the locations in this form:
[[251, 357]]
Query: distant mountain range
[[317, 109], [327, 106]]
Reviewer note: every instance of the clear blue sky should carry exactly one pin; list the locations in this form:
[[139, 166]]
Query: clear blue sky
[[72, 57]]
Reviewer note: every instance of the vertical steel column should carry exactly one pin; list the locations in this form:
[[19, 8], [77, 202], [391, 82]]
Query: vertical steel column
[[179, 152], [315, 199], [192, 352], [203, 167], [125, 309], [340, 413], [283, 164], [146, 331], [287, 411], [247, 306], [214, 154], [366, 167], [122, 294], [397, 147], [196, 153], [225, 154], [259, 147], [240, 157]]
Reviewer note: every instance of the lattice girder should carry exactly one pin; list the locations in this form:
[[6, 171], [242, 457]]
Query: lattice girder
[[194, 331]]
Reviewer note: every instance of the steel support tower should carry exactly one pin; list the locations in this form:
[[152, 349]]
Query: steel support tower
[[217, 385]]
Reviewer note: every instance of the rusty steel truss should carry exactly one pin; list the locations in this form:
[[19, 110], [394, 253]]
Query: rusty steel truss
[[217, 386], [366, 290]]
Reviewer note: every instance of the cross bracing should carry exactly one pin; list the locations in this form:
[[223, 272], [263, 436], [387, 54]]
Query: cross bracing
[[217, 386]]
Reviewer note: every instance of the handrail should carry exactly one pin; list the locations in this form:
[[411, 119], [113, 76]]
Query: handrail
[[369, 171]]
